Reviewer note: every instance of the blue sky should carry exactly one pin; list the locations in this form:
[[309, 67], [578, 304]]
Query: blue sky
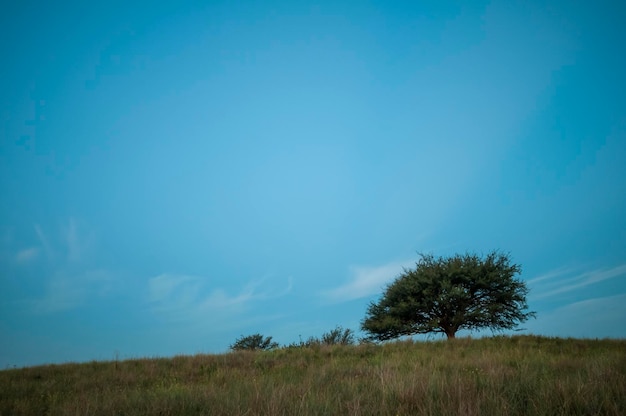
[[176, 175]]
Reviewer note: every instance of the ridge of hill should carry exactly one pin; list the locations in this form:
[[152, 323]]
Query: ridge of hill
[[519, 375]]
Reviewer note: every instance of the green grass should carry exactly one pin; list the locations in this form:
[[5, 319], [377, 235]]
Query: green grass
[[522, 375]]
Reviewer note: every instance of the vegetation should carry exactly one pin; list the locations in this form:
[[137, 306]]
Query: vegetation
[[336, 336], [520, 375], [447, 294], [253, 342]]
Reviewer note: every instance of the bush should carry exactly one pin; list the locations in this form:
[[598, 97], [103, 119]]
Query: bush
[[338, 336], [253, 343]]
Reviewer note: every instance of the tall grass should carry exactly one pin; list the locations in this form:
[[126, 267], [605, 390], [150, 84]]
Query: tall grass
[[522, 375]]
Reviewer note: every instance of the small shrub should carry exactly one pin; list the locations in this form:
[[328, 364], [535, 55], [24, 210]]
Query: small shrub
[[253, 343], [338, 336]]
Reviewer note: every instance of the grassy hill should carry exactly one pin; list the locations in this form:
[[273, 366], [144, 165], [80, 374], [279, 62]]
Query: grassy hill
[[521, 375]]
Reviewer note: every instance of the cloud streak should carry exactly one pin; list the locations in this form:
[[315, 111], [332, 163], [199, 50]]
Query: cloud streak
[[596, 317], [182, 296], [65, 291], [557, 282], [74, 249], [367, 281], [27, 255], [67, 281], [43, 240], [550, 275]]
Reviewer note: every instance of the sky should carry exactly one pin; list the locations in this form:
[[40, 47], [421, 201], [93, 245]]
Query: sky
[[174, 175]]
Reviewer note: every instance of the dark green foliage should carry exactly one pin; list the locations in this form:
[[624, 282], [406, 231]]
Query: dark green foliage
[[447, 294], [338, 336], [253, 343]]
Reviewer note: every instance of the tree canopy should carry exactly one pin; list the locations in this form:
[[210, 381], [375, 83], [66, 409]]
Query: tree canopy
[[447, 294]]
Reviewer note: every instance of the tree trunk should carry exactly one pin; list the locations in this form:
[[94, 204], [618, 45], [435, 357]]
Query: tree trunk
[[450, 333]]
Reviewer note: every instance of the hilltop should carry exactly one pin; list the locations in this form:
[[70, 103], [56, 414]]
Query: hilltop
[[520, 375]]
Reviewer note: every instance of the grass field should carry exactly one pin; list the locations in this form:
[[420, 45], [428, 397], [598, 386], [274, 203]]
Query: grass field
[[521, 375]]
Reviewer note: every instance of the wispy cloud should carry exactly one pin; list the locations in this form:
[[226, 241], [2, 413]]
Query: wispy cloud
[[163, 287], [43, 240], [562, 281], [27, 254], [366, 281], [551, 275], [66, 282], [65, 290], [605, 302], [182, 296], [72, 240], [78, 240], [596, 317]]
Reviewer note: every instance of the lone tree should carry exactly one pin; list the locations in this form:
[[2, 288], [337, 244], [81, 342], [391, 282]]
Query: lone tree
[[446, 294]]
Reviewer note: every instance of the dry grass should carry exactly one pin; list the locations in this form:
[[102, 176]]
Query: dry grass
[[523, 375]]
